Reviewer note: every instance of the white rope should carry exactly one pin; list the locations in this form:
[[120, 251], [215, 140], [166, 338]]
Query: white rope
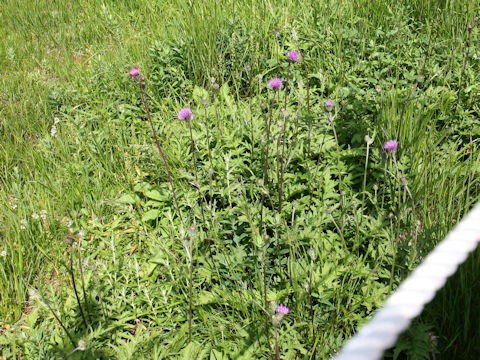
[[382, 331]]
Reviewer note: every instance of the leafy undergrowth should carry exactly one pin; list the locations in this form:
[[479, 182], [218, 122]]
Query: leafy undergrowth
[[329, 229]]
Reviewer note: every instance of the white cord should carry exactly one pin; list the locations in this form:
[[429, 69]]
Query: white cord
[[382, 331]]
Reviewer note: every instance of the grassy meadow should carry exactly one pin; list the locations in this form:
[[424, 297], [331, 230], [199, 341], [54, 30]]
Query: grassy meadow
[[270, 196]]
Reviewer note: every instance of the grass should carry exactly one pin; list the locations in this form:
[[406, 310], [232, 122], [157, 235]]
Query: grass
[[347, 230]]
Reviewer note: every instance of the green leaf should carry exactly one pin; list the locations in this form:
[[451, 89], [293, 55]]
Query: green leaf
[[127, 199], [198, 94], [153, 194], [151, 215]]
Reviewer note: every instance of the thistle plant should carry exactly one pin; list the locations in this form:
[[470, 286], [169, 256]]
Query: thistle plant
[[45, 301], [210, 158], [405, 185], [282, 161], [72, 274], [275, 84], [252, 142], [187, 115], [369, 142], [391, 147], [329, 107], [312, 254], [135, 73], [188, 245], [280, 312], [296, 39], [293, 57], [82, 346]]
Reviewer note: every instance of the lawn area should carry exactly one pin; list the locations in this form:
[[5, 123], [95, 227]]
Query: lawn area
[[270, 175]]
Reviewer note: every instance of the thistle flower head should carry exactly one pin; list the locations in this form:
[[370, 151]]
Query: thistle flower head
[[329, 105], [275, 83], [293, 56], [279, 314], [134, 72], [391, 145], [403, 179], [185, 113], [282, 309]]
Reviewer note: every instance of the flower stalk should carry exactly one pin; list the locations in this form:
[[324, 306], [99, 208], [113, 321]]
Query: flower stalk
[[141, 84]]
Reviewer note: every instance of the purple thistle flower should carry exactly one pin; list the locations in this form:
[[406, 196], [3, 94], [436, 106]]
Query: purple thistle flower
[[185, 114], [134, 72], [391, 145], [403, 179], [275, 83], [293, 56], [329, 105], [282, 309]]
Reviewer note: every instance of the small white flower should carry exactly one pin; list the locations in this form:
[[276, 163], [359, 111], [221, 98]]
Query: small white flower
[[56, 120], [35, 216], [53, 130], [81, 234], [3, 253], [43, 214]]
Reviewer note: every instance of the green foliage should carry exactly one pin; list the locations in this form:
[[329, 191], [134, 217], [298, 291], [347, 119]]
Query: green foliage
[[415, 343], [78, 159]]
